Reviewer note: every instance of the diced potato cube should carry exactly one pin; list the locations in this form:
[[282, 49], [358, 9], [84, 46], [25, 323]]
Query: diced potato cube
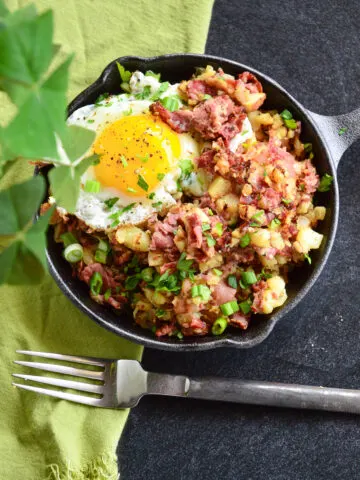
[[133, 238], [155, 259], [308, 239], [319, 213], [275, 295], [302, 222], [303, 207], [247, 189], [277, 241], [156, 298], [260, 238], [219, 187], [228, 205], [213, 262]]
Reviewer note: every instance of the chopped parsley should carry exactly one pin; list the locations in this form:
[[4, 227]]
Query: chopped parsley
[[160, 176], [111, 202], [163, 87], [144, 94], [125, 75], [325, 183], [186, 166], [151, 195], [342, 130], [101, 97], [150, 73]]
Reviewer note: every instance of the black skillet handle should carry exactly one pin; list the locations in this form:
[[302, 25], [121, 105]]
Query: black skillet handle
[[339, 132]]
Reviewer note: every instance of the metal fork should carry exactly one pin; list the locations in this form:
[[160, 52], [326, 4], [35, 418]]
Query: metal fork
[[124, 382]]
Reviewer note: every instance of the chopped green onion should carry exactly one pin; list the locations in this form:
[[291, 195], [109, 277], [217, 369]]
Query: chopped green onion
[[205, 227], [217, 272], [101, 97], [96, 282], [210, 240], [201, 291], [73, 253], [153, 328], [308, 147], [286, 115], [248, 278], [245, 306], [160, 176], [210, 212], [325, 183], [107, 294], [274, 223], [147, 274], [257, 218], [207, 96], [150, 73], [125, 75], [291, 124], [111, 202], [171, 103], [128, 112], [68, 238], [342, 130], [219, 229], [160, 312], [232, 281], [245, 240], [103, 246], [92, 186], [115, 216], [90, 120], [157, 204], [286, 201], [131, 190], [186, 166], [308, 258], [123, 161], [142, 183], [180, 335], [151, 195], [229, 308], [219, 326], [100, 256]]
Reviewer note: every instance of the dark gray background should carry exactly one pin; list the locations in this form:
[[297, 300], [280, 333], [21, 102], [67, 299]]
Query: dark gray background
[[313, 50]]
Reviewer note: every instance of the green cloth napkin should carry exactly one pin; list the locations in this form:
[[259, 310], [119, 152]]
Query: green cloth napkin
[[42, 437]]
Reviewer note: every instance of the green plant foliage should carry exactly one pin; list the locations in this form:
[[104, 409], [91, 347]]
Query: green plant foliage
[[22, 246], [38, 131]]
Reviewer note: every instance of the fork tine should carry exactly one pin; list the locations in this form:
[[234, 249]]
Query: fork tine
[[94, 402], [66, 358], [83, 387], [76, 372]]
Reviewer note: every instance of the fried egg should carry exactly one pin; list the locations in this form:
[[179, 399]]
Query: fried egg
[[139, 158], [138, 170]]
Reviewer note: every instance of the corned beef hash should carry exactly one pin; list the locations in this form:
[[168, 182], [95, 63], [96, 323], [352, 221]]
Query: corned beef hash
[[200, 205]]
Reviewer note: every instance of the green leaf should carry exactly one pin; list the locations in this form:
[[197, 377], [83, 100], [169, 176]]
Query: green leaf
[[325, 183], [77, 141], [3, 10], [124, 74], [19, 203], [31, 134], [65, 183], [23, 261], [26, 46]]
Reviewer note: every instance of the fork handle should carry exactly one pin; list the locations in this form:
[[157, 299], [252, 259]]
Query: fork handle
[[275, 394]]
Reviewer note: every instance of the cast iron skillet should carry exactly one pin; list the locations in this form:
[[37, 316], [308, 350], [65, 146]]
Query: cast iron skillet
[[328, 147]]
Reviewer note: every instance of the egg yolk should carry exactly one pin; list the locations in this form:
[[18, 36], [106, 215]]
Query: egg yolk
[[135, 153]]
